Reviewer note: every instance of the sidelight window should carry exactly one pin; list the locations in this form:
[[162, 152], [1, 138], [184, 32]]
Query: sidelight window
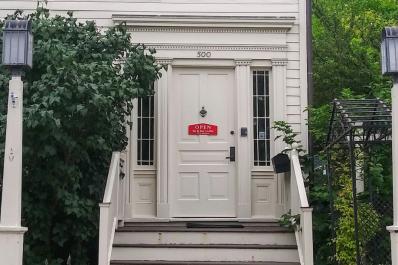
[[145, 131], [261, 118]]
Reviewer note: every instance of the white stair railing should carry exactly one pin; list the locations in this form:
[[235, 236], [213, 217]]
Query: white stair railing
[[300, 206], [111, 209]]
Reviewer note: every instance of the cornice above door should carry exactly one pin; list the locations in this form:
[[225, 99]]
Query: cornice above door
[[195, 23]]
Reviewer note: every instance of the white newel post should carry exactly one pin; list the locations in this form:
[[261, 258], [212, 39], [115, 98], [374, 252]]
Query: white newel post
[[11, 232], [394, 228], [243, 86], [162, 136], [307, 235]]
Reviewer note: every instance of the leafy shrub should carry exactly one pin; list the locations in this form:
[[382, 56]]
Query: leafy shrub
[[76, 98]]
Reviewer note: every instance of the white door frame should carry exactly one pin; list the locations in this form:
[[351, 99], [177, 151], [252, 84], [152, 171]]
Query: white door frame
[[243, 144]]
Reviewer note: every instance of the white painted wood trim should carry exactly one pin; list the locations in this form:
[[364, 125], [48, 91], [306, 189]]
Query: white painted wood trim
[[300, 205], [218, 47], [111, 210], [129, 169], [103, 245], [168, 188], [299, 246], [279, 96], [162, 152], [11, 203], [111, 238], [303, 73], [111, 180], [151, 22], [208, 63], [307, 235], [244, 144], [297, 182]]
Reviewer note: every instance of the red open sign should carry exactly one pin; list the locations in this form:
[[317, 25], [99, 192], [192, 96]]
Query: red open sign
[[202, 129]]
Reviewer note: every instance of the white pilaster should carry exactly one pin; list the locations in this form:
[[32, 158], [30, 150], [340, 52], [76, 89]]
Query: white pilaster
[[164, 84], [303, 72], [279, 113], [279, 96], [11, 232], [243, 105]]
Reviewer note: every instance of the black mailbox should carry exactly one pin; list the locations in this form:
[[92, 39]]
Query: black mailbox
[[281, 163]]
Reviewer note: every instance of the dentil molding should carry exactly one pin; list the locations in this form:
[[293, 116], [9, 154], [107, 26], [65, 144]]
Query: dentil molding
[[243, 62], [167, 61], [218, 47], [279, 62]]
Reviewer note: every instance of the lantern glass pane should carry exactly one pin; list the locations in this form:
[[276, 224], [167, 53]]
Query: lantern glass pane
[[30, 50], [383, 57], [7, 48], [21, 53], [14, 47], [393, 55]]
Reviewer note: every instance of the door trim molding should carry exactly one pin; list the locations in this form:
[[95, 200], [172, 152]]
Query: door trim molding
[[164, 87], [243, 98], [243, 87]]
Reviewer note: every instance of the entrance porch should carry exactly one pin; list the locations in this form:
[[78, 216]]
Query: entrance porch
[[200, 149]]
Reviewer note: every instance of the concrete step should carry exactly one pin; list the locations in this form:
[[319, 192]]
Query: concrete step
[[214, 253], [199, 263]]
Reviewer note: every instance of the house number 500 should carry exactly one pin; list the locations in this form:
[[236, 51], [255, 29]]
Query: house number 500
[[204, 54]]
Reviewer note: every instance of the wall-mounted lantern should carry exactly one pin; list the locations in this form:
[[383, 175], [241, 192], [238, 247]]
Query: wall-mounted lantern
[[389, 51], [281, 163], [17, 44]]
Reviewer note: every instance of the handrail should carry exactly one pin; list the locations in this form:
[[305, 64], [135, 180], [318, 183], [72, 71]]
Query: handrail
[[299, 179], [111, 209], [300, 205], [111, 177]]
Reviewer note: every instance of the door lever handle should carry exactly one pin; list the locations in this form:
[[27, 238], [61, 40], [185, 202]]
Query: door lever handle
[[231, 156]]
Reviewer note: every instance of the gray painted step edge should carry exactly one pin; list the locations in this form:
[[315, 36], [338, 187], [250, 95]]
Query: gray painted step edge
[[217, 246], [269, 229], [132, 262]]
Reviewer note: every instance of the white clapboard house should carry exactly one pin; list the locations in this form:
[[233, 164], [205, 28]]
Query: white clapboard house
[[199, 185]]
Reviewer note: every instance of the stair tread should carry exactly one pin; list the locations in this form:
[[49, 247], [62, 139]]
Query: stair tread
[[184, 223], [132, 262], [220, 246], [270, 229], [247, 227]]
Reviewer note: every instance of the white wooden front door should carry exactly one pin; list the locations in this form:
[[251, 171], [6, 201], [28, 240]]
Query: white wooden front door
[[202, 178]]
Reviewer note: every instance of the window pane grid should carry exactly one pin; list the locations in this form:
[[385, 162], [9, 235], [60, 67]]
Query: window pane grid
[[145, 131], [261, 119]]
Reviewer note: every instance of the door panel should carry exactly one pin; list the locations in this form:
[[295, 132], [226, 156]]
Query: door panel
[[202, 180]]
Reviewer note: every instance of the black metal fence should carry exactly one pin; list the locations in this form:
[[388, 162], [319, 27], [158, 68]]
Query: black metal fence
[[360, 181], [361, 207]]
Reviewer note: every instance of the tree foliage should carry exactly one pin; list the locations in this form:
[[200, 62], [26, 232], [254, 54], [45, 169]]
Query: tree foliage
[[76, 98], [347, 36], [347, 46]]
